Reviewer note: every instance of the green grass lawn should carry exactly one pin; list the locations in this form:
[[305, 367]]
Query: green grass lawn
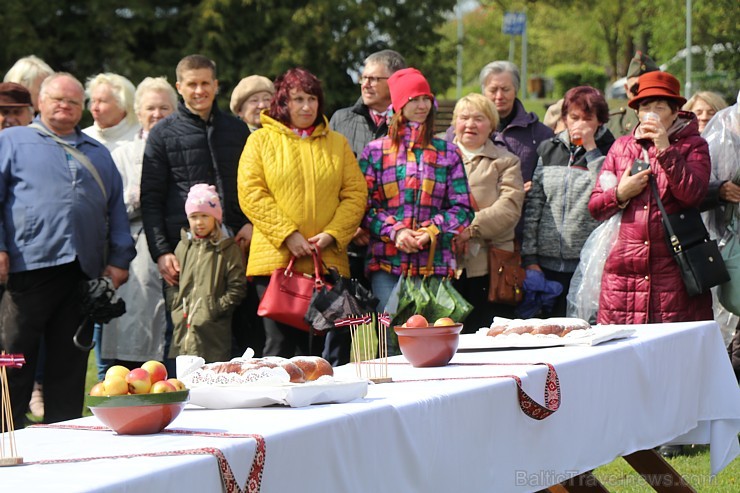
[[618, 476]]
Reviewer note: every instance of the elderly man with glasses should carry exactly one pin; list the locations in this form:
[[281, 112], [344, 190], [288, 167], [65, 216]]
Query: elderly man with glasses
[[366, 120], [62, 222]]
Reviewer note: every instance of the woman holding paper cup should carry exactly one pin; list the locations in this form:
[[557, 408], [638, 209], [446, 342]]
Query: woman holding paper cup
[[642, 282], [556, 218]]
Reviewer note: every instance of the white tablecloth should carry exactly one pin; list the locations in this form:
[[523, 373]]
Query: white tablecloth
[[450, 432]]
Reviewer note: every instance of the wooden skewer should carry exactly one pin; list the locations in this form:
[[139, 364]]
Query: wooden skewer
[[8, 427]]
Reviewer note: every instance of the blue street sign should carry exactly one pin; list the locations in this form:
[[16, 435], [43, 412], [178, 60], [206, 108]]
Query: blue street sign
[[514, 23]]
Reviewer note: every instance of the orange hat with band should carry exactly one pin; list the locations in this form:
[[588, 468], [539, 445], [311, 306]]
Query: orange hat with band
[[657, 85]]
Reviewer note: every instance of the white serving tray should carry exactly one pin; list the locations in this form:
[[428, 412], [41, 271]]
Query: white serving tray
[[323, 391], [587, 337]]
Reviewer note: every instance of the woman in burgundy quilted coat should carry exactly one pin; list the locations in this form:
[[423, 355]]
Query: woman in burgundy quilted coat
[[641, 281]]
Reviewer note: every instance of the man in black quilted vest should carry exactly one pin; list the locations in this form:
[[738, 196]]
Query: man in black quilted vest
[[196, 144]]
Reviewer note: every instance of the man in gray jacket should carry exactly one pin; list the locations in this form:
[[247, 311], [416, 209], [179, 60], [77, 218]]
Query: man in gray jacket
[[366, 120]]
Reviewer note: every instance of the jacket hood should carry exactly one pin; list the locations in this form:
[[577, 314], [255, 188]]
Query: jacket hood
[[270, 124], [522, 118], [186, 237]]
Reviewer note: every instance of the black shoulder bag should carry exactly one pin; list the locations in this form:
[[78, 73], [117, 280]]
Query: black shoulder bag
[[697, 256]]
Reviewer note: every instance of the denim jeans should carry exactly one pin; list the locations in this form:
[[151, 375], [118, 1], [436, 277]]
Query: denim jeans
[[383, 283]]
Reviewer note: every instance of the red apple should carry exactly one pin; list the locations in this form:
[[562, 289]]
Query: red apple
[[115, 385], [444, 321], [177, 384], [417, 321], [119, 370], [161, 387], [157, 371], [99, 389], [139, 381]]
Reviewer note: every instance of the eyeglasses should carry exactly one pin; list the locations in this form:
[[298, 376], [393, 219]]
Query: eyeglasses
[[372, 80], [67, 101]]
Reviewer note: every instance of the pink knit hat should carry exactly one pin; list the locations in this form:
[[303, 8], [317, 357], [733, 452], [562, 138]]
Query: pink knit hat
[[203, 198], [407, 84]]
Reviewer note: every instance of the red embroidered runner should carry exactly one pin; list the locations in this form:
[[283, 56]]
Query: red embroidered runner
[[529, 406], [254, 479]]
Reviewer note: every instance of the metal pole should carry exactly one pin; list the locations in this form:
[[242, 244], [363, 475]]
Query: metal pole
[[511, 49], [459, 50], [524, 58], [687, 89]]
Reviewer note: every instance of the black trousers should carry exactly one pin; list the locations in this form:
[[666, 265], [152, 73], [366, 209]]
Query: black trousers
[[284, 340], [45, 303], [561, 302], [246, 326]]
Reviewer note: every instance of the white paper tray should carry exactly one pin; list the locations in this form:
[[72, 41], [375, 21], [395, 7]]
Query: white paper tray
[[293, 395], [589, 337]]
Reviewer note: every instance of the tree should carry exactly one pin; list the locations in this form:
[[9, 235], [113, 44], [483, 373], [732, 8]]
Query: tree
[[330, 38], [137, 38]]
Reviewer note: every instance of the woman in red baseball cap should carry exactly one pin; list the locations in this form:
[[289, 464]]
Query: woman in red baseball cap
[[642, 282]]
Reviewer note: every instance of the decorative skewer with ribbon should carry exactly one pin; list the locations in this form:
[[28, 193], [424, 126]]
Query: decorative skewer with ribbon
[[8, 453], [362, 330]]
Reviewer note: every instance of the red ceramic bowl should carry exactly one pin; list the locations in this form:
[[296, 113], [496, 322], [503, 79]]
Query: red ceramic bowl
[[139, 414], [429, 346]]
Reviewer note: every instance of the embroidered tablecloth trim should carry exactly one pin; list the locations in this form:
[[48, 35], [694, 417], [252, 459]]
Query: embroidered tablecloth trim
[[529, 406], [254, 480]]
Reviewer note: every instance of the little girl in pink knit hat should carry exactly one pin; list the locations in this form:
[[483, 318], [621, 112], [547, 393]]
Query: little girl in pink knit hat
[[212, 281]]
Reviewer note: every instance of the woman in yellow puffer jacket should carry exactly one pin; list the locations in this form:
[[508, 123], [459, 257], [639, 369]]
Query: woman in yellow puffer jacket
[[301, 187]]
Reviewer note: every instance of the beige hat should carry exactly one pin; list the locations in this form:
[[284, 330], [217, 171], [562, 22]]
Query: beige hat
[[248, 86]]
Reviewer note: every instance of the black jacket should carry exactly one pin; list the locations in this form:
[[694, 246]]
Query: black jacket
[[181, 151]]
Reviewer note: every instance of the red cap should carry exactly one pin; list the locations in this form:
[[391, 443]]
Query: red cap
[[657, 84], [407, 84]]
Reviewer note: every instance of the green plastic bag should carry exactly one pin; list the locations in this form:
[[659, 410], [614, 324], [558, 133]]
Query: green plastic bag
[[462, 307], [406, 301], [441, 304]]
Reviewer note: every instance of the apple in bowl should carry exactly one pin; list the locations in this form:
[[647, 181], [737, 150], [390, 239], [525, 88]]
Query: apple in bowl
[[428, 345]]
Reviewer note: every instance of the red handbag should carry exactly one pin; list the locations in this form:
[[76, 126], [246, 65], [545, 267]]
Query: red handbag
[[288, 294]]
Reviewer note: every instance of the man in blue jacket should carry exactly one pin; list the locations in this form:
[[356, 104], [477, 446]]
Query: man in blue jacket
[[62, 222]]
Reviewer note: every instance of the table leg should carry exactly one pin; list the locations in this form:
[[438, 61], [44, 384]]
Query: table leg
[[585, 482], [657, 472]]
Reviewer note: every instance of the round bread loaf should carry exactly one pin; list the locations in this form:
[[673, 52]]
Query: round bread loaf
[[313, 367], [548, 329], [295, 372]]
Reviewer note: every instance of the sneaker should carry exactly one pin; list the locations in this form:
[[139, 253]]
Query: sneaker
[[36, 405], [671, 451]]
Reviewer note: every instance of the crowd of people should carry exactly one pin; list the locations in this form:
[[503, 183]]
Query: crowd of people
[[189, 210]]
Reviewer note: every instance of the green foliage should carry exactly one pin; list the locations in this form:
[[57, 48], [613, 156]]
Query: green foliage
[[607, 33], [567, 76], [139, 38]]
